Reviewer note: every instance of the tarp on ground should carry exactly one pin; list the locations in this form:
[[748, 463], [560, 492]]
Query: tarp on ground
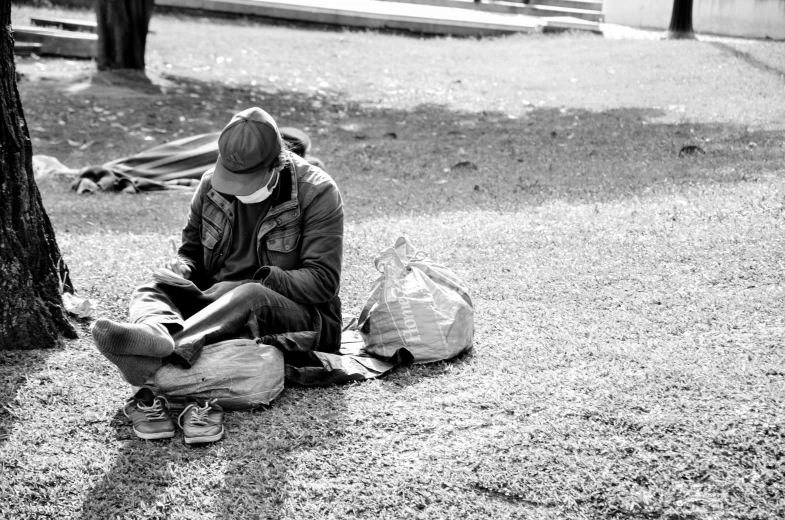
[[176, 164], [186, 158]]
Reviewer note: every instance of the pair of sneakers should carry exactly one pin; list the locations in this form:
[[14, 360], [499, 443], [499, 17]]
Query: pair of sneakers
[[200, 422]]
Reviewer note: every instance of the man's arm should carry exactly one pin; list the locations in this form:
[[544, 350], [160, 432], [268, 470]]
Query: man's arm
[[317, 280]]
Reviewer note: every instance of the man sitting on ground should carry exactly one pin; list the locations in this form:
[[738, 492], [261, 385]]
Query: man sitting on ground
[[264, 244]]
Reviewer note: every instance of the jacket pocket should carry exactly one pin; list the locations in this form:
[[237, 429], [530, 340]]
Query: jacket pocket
[[283, 249], [210, 237]]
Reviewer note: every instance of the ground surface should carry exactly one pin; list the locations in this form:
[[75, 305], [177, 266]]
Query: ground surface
[[628, 355]]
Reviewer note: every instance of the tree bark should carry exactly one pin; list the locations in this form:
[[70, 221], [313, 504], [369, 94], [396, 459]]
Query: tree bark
[[32, 315], [681, 20], [122, 33]]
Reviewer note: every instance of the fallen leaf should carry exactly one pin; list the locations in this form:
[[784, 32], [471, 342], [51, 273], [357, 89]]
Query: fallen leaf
[[465, 165], [691, 149]]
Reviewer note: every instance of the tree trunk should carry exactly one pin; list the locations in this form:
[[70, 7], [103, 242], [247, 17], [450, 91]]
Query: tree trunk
[[31, 306], [681, 20], [122, 33]]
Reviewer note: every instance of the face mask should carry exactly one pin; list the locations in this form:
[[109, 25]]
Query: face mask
[[262, 193]]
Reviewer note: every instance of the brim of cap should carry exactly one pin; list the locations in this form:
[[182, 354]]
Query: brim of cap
[[244, 183]]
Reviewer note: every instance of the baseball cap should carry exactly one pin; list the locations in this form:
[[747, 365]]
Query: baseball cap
[[248, 146]]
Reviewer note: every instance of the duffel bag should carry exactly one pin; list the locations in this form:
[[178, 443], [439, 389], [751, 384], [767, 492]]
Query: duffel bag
[[240, 373]]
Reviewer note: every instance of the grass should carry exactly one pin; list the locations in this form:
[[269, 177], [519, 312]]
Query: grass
[[628, 355]]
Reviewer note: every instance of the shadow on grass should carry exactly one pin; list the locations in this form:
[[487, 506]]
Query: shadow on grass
[[299, 447], [433, 159], [140, 475], [298, 434], [256, 470], [247, 473], [750, 59], [15, 366]]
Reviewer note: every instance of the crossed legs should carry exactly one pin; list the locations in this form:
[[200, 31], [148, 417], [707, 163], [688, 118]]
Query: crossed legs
[[169, 325]]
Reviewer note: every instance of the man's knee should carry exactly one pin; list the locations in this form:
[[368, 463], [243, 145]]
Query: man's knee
[[144, 297], [254, 293], [147, 288]]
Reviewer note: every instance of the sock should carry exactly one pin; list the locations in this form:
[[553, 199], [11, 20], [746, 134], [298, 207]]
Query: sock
[[136, 349], [132, 339]]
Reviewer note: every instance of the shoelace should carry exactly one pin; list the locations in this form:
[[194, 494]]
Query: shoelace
[[154, 412], [199, 415]]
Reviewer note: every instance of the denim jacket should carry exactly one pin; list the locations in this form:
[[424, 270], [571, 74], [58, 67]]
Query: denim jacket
[[299, 247]]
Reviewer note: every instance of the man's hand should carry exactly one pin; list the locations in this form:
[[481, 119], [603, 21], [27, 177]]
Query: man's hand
[[179, 268], [175, 265]]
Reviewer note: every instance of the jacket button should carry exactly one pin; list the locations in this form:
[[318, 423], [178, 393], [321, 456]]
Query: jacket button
[[278, 221]]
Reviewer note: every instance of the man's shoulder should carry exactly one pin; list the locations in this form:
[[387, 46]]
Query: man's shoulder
[[207, 176], [314, 183], [309, 174], [206, 182]]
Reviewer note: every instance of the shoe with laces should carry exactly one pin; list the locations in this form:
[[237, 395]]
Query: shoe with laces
[[202, 423], [150, 415]]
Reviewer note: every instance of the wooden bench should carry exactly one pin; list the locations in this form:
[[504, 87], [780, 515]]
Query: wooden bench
[[56, 42], [27, 48], [64, 23], [25, 33]]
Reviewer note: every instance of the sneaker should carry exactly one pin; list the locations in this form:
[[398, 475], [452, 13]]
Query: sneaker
[[202, 423], [149, 415]]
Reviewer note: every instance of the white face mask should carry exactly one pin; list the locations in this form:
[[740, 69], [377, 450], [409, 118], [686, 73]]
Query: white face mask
[[262, 193]]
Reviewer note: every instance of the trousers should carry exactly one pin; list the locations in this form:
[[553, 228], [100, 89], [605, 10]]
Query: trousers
[[227, 310]]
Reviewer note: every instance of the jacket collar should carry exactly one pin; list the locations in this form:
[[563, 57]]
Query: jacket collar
[[285, 195]]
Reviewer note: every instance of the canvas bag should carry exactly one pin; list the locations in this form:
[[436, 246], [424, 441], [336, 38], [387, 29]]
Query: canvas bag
[[240, 373], [418, 310]]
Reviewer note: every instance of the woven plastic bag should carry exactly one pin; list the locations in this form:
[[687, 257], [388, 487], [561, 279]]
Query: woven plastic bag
[[417, 310], [240, 373]]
